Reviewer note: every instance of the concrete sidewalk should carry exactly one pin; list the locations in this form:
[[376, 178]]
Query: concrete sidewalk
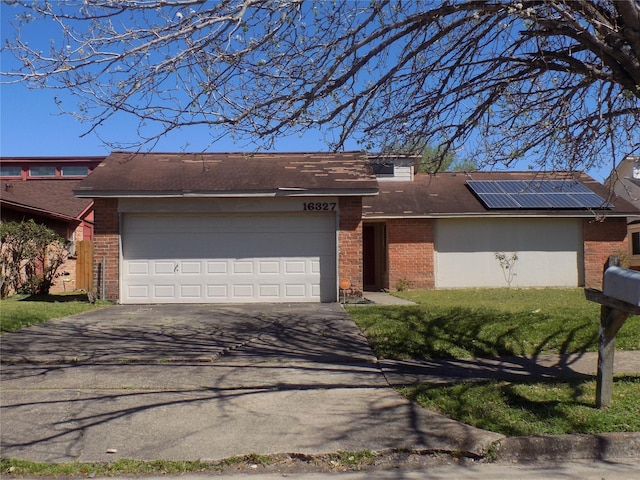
[[384, 298]]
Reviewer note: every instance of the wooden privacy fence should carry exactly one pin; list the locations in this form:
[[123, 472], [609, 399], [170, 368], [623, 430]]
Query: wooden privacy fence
[[84, 265]]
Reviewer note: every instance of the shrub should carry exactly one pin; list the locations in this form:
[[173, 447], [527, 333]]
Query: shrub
[[30, 256]]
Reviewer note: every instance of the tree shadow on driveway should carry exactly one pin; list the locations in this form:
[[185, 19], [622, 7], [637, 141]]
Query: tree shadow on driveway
[[207, 382]]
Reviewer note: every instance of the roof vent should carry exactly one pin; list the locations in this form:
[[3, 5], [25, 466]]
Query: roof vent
[[396, 168], [636, 167]]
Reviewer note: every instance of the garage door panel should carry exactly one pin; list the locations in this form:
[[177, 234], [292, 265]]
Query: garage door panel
[[269, 267], [224, 246], [164, 268], [164, 292], [548, 252], [220, 292], [269, 291], [214, 267], [138, 268], [228, 259]]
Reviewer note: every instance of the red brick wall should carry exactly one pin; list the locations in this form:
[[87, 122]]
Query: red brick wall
[[602, 239], [66, 281], [350, 243], [410, 253], [106, 235]]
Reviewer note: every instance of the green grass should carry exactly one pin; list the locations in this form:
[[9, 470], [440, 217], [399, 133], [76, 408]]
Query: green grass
[[494, 322], [534, 408], [19, 468], [21, 311], [125, 467], [488, 322]]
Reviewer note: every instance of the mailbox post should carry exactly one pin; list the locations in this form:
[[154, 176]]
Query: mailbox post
[[619, 299]]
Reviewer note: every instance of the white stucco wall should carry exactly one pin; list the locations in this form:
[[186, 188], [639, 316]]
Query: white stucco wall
[[549, 252]]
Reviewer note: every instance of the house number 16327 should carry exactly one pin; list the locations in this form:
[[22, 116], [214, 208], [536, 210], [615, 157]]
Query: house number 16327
[[309, 206]]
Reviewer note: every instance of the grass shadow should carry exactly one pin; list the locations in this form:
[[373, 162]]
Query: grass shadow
[[460, 332], [52, 298]]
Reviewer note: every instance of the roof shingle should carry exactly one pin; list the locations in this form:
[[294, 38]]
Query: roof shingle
[[446, 194], [50, 197], [159, 174]]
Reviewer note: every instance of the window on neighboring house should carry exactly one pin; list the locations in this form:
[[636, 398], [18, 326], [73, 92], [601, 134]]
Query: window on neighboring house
[[75, 171], [10, 171], [42, 171], [635, 243]]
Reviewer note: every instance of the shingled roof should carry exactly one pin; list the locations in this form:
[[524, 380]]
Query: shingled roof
[[447, 195], [52, 198], [218, 174]]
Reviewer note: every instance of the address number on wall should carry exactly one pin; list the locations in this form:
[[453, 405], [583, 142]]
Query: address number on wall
[[319, 206]]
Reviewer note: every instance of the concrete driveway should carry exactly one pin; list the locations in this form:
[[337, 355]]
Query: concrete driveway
[[183, 382]]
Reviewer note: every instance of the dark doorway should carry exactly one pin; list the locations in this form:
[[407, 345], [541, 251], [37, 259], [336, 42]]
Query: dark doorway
[[374, 253]]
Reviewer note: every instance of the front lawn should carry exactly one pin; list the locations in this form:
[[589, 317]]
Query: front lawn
[[21, 311], [488, 322], [494, 322], [544, 407]]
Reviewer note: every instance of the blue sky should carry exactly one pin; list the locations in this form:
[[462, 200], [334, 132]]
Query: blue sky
[[31, 123]]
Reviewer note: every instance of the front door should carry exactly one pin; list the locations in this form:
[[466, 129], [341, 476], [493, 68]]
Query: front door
[[374, 253]]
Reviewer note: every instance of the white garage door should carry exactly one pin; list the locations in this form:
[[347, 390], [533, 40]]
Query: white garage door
[[185, 258], [549, 252]]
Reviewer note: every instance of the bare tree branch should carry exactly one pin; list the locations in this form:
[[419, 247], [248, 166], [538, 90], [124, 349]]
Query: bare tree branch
[[554, 82]]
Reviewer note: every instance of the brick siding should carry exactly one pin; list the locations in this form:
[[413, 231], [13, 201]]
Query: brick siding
[[601, 240], [410, 253], [106, 244], [350, 243]]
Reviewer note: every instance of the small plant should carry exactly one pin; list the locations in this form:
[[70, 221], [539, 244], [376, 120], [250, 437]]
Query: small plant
[[507, 263], [352, 460], [402, 285]]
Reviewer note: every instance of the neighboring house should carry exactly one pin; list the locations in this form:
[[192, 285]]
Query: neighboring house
[[624, 182], [287, 227], [41, 189]]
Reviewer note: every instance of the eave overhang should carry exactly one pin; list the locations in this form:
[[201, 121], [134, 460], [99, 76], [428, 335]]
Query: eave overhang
[[281, 192], [38, 211]]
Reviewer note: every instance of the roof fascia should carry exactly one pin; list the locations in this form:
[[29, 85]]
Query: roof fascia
[[186, 194], [47, 213], [85, 212]]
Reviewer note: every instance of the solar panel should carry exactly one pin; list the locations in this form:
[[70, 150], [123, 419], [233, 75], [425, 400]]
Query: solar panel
[[561, 200], [512, 186], [484, 186], [591, 200], [531, 200], [498, 200], [536, 194], [538, 186]]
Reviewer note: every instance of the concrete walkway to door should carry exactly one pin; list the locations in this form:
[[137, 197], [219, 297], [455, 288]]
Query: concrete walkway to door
[[207, 382]]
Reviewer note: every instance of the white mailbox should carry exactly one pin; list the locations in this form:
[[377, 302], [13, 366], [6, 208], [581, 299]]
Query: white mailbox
[[622, 284]]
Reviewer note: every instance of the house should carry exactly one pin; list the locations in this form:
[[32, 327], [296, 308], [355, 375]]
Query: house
[[41, 189], [288, 227], [624, 181]]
